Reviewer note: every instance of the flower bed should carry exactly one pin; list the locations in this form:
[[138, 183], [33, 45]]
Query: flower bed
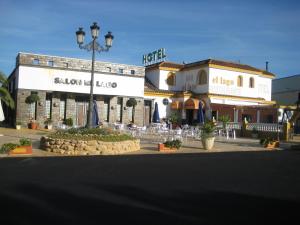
[[93, 141]]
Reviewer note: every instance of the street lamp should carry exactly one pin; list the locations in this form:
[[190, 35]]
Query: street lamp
[[93, 46]]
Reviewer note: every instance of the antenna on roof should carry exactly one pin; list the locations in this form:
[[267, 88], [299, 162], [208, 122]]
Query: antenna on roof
[[267, 66]]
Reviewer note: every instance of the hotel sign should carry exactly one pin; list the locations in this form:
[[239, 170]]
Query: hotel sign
[[155, 56]]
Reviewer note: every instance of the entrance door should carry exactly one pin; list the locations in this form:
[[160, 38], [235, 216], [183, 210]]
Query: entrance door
[[189, 116], [81, 113], [147, 113]]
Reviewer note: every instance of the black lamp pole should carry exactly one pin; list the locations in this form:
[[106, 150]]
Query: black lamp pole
[[93, 46]]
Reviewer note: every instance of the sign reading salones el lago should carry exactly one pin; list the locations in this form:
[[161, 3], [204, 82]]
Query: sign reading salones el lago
[[68, 81], [155, 56]]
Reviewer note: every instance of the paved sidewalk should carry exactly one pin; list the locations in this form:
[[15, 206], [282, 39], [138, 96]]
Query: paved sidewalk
[[148, 143]]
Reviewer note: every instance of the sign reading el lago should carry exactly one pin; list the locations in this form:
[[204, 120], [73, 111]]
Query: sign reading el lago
[[155, 56], [68, 81]]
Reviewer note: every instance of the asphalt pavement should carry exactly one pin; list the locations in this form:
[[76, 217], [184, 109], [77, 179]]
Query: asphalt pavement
[[216, 188]]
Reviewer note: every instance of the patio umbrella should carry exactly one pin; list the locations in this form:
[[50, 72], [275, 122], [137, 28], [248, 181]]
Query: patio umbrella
[[155, 118], [95, 116], [200, 114], [1, 112]]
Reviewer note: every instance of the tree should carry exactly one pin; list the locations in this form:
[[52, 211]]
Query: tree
[[4, 93], [132, 103]]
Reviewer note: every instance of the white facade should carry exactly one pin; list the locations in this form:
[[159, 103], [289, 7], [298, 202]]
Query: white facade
[[224, 82], [163, 110], [51, 79]]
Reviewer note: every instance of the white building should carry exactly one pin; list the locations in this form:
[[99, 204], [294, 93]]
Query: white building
[[238, 90]]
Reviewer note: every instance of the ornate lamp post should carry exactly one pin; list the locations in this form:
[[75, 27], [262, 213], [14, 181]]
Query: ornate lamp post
[[93, 46]]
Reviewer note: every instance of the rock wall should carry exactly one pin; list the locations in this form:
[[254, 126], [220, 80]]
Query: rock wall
[[93, 147]]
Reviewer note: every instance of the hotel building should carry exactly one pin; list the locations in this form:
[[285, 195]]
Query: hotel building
[[63, 85]]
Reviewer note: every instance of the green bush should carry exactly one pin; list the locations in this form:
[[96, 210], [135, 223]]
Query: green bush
[[69, 122], [173, 144], [32, 99], [131, 102], [266, 141], [25, 142], [5, 148]]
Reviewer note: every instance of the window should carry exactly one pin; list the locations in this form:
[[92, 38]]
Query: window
[[132, 72], [36, 62], [66, 65], [202, 77], [108, 69], [240, 81], [121, 71], [50, 63], [171, 79], [251, 82]]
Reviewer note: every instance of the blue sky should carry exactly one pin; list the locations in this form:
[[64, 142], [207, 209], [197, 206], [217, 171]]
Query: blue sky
[[251, 32]]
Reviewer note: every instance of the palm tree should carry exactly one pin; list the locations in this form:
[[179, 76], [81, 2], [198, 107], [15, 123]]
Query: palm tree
[[4, 93]]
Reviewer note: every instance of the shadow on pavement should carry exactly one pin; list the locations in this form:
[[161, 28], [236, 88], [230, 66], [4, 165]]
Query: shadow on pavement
[[100, 204]]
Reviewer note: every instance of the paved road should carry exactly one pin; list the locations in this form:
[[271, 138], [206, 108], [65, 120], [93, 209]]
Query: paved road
[[216, 188]]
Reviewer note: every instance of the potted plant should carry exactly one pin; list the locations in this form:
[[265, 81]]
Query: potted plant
[[269, 143], [48, 124], [254, 132], [24, 147], [208, 134], [170, 145], [18, 125], [32, 98]]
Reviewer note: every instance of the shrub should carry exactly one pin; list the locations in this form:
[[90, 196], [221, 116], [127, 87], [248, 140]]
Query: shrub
[[32, 98], [254, 131], [173, 144], [25, 142], [266, 141], [69, 122], [5, 148], [131, 102]]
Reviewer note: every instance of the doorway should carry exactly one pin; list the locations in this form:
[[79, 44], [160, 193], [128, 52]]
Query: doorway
[[189, 116], [81, 113]]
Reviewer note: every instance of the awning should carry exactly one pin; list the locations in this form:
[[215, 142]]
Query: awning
[[191, 103], [176, 105]]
